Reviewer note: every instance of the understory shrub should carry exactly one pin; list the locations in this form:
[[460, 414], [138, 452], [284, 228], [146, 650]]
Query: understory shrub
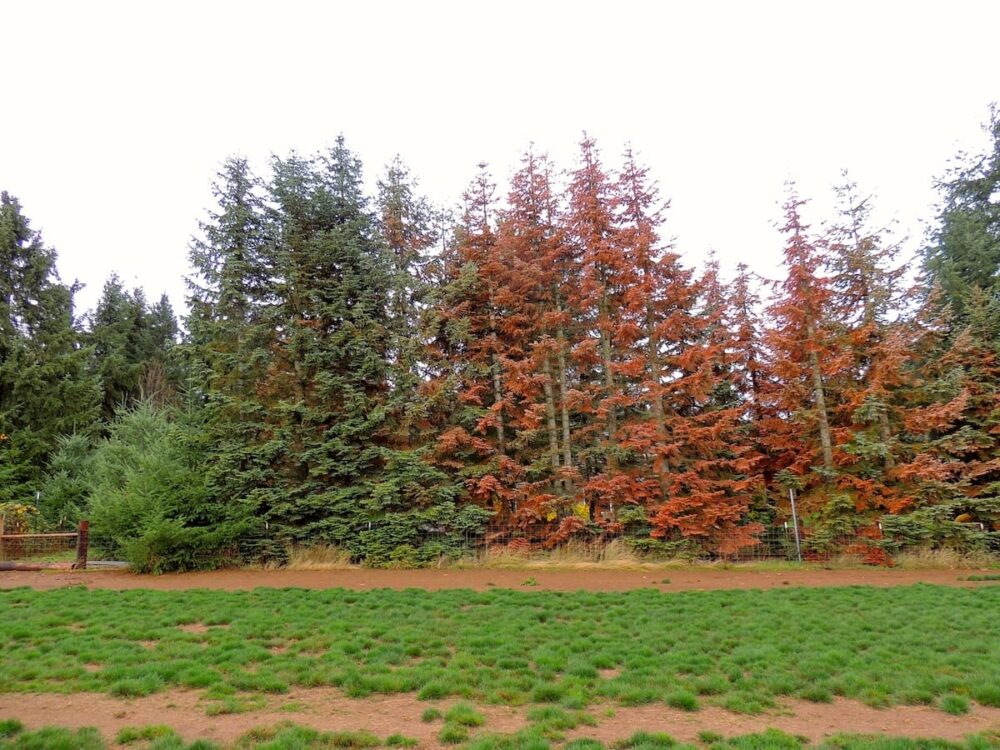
[[150, 500]]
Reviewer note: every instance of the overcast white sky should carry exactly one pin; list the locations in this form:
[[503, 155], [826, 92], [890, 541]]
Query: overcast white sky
[[115, 116]]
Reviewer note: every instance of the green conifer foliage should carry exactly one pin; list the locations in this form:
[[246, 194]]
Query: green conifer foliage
[[964, 253], [46, 390], [132, 345]]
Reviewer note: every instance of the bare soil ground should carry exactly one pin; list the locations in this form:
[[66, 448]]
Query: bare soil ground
[[480, 579], [327, 709]]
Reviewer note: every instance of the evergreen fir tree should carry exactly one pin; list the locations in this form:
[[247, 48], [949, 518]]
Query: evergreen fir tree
[[132, 343], [323, 393], [46, 390], [231, 296], [964, 253]]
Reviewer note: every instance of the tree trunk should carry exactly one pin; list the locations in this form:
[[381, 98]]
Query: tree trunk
[[609, 383], [497, 398], [497, 382], [820, 397], [653, 357], [550, 415], [886, 435], [564, 409]]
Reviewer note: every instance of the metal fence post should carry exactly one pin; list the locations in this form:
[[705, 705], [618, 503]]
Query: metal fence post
[[795, 524]]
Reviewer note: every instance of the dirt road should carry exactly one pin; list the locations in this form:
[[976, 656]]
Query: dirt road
[[531, 579]]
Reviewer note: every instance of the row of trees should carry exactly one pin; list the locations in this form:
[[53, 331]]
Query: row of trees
[[362, 370], [62, 374]]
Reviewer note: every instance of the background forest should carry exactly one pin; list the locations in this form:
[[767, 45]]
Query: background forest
[[371, 372]]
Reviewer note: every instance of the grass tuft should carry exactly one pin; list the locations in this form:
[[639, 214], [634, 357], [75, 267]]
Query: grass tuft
[[433, 691], [647, 741], [684, 700], [453, 734], [401, 740], [137, 687], [128, 735], [987, 695], [465, 715], [54, 738], [955, 704]]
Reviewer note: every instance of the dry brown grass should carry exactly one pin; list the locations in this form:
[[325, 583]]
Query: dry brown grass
[[318, 557], [945, 558], [617, 555], [574, 555]]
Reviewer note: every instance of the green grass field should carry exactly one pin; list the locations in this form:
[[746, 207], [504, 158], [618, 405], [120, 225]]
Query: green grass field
[[291, 737], [561, 652]]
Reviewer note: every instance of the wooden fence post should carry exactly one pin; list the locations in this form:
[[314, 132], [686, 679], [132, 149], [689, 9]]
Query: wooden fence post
[[82, 543], [2, 519]]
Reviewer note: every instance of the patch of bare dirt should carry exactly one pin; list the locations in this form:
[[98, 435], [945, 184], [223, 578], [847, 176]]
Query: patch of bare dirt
[[195, 628], [320, 708], [480, 579], [812, 720], [200, 628], [327, 709]]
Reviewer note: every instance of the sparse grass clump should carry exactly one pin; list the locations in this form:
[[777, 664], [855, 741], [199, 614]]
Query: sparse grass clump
[[955, 704], [684, 700], [10, 727], [288, 736], [465, 715], [743, 702], [818, 693], [433, 691], [128, 735], [987, 695], [547, 692], [453, 734], [551, 721], [13, 737], [136, 687], [647, 741], [400, 740]]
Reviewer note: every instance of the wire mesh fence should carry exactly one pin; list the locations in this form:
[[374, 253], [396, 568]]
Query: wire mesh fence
[[598, 544], [54, 548], [433, 544], [427, 544], [37, 546]]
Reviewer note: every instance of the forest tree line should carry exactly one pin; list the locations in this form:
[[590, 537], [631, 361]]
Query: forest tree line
[[372, 372]]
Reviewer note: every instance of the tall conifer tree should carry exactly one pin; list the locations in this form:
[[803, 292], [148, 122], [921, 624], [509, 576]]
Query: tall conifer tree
[[46, 388]]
